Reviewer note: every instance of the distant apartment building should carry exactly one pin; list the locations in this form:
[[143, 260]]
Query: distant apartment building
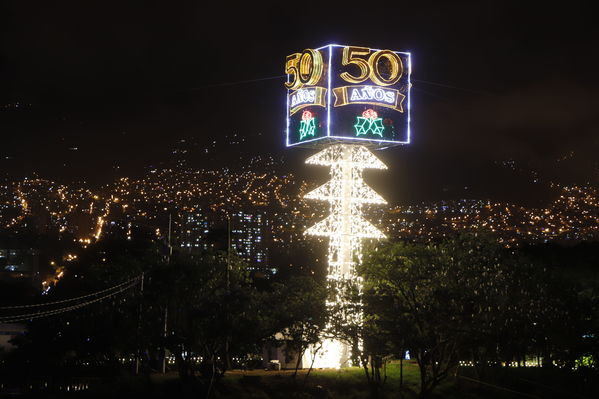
[[193, 228], [249, 238], [19, 263]]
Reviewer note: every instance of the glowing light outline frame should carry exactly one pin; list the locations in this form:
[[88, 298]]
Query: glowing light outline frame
[[328, 135]]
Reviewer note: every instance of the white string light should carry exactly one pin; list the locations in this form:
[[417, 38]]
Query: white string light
[[70, 299], [21, 317]]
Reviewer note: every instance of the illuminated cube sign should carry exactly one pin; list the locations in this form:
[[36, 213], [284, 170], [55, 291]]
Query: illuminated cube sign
[[347, 93]]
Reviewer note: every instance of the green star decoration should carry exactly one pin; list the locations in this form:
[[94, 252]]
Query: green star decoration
[[365, 125], [307, 128]]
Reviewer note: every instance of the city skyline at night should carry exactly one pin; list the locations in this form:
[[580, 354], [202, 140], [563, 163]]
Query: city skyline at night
[[199, 202], [235, 200]]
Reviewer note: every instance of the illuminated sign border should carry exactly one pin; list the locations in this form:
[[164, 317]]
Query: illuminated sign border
[[329, 105]]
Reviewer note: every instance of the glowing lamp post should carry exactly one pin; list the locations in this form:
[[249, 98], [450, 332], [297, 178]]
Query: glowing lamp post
[[371, 90]]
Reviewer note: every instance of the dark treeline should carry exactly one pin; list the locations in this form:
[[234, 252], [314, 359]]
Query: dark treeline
[[207, 310], [466, 299]]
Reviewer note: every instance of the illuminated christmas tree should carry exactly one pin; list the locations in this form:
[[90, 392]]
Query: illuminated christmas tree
[[345, 226]]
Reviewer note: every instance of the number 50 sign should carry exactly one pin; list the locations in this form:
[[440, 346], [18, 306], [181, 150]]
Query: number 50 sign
[[338, 93]]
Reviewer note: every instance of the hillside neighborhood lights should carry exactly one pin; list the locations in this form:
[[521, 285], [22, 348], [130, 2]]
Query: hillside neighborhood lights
[[345, 227]]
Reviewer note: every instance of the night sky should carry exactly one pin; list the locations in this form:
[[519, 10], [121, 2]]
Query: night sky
[[503, 93]]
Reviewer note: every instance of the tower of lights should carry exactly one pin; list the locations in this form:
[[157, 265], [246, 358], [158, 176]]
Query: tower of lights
[[346, 193], [345, 101], [345, 226]]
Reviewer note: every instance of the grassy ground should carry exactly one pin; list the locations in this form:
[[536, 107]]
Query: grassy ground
[[349, 383]]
